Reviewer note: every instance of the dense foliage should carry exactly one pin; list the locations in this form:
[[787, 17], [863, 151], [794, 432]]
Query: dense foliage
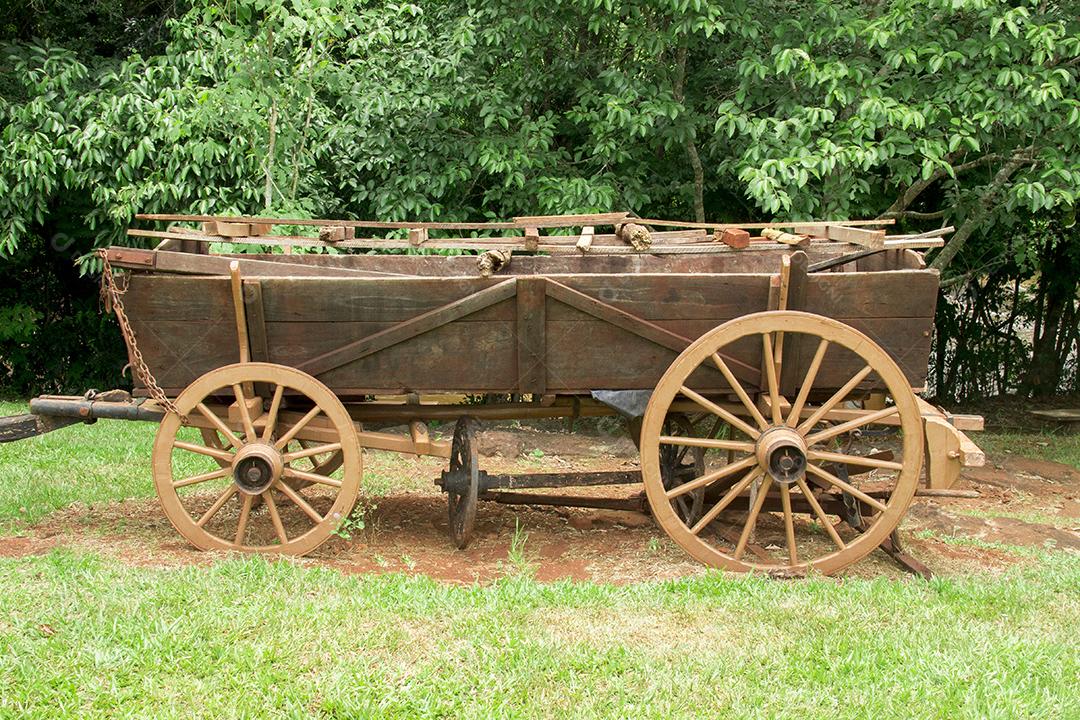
[[961, 112]]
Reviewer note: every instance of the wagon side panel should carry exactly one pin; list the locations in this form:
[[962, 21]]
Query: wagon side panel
[[895, 309], [184, 326]]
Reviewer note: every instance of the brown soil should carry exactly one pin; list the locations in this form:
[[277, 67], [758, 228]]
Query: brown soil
[[1023, 503]]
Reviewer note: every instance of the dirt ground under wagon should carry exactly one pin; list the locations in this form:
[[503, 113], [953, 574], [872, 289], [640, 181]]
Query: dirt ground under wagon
[[1025, 505]]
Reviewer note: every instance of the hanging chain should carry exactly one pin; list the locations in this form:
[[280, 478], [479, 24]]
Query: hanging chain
[[113, 296]]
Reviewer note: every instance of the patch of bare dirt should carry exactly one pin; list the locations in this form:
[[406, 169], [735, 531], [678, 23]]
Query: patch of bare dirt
[[1023, 502]]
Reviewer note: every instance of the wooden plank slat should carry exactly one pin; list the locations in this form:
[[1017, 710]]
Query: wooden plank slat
[[531, 335], [763, 225], [410, 328], [873, 239], [256, 321], [794, 347]]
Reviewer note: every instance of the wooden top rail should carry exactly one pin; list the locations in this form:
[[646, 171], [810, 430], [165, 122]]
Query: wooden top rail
[[518, 223], [631, 235]]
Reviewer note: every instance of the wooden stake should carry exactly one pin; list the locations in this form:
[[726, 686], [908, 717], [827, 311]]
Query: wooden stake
[[241, 319]]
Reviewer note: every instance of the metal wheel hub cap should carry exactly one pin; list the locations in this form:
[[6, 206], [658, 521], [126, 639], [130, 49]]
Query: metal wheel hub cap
[[256, 467], [781, 452]]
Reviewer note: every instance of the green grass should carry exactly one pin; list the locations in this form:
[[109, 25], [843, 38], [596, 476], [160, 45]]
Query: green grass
[[80, 463], [85, 635], [82, 636], [1059, 447]]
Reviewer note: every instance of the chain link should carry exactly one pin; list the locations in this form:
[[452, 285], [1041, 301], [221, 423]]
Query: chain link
[[113, 296]]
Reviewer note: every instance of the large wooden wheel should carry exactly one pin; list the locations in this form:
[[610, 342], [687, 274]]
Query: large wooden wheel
[[776, 487], [257, 474]]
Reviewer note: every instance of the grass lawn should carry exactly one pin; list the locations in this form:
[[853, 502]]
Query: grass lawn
[[85, 635]]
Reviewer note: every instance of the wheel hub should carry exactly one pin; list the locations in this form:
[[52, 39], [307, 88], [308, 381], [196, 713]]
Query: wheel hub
[[257, 467], [781, 452]]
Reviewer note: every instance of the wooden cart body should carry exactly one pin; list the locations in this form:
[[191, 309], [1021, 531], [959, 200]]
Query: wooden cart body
[[373, 324], [283, 359]]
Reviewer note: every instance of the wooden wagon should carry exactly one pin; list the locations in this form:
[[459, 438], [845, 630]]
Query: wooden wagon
[[769, 380]]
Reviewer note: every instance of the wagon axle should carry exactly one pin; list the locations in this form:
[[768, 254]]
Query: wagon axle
[[781, 452], [256, 467]]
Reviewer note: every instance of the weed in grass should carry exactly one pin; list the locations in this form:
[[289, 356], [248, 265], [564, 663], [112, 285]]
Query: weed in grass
[[516, 557], [359, 519]]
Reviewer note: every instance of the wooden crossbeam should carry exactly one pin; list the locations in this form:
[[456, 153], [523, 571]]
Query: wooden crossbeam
[[410, 328]]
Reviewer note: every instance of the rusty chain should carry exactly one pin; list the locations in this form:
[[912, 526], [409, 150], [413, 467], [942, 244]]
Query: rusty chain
[[113, 296]]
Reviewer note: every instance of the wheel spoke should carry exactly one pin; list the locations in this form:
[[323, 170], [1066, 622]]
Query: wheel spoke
[[195, 479], [204, 450], [219, 424], [287, 437], [308, 452], [770, 376], [275, 518], [241, 525], [822, 518], [807, 384], [312, 477], [218, 504], [717, 410], [740, 391], [271, 417], [728, 498], [835, 399], [846, 487], [751, 519], [789, 523], [860, 460], [711, 477], [299, 501], [851, 425], [739, 445], [245, 416]]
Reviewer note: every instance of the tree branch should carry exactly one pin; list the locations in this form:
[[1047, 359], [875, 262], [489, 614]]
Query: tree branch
[[913, 191], [982, 209], [677, 88]]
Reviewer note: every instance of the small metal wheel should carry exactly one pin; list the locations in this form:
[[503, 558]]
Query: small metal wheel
[[230, 482], [782, 471], [462, 482], [682, 463]]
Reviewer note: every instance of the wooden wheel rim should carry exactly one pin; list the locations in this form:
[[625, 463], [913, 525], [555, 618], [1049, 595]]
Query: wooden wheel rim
[[462, 506], [275, 376], [836, 333]]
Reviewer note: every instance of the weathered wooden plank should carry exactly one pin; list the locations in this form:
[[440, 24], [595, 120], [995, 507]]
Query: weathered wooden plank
[[794, 346], [763, 225], [758, 261], [894, 293], [664, 297], [177, 352], [410, 328], [531, 335], [375, 300], [444, 359], [632, 323], [256, 321]]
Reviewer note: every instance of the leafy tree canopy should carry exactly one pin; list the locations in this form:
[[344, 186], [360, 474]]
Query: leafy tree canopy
[[933, 112]]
